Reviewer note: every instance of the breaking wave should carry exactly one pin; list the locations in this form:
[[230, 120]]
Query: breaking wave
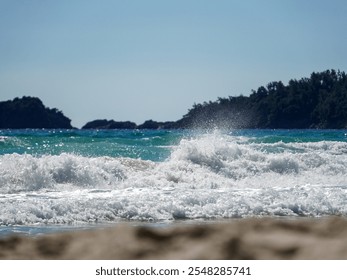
[[209, 177]]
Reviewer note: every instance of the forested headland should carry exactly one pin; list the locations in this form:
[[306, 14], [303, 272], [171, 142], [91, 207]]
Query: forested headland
[[316, 102]]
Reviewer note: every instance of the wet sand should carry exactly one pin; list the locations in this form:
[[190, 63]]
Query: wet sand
[[265, 238]]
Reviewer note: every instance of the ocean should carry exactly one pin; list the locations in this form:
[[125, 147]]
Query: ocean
[[53, 180]]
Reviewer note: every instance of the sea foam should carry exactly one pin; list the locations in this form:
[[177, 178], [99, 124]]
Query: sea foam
[[208, 177]]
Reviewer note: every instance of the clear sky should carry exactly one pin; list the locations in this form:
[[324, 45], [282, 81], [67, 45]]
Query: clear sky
[[153, 59]]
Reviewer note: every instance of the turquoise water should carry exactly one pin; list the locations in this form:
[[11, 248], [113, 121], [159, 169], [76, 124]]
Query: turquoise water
[[145, 144], [151, 145], [87, 177]]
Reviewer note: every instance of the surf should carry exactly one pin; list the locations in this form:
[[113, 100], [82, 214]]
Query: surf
[[214, 175]]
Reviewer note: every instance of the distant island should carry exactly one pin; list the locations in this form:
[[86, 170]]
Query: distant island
[[316, 102], [111, 124], [29, 112]]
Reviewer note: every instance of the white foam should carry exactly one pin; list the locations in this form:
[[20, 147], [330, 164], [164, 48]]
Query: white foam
[[29, 173], [214, 176]]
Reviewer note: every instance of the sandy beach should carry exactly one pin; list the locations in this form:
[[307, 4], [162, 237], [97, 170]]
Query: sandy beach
[[265, 238]]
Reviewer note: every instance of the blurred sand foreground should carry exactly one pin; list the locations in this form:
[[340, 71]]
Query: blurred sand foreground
[[266, 238]]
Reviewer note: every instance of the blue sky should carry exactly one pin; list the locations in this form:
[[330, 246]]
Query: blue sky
[[149, 59]]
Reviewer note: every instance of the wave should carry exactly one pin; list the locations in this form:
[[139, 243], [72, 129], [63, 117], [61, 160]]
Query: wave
[[208, 177]]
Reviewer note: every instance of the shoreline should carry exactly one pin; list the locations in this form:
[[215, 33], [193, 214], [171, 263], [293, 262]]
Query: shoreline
[[250, 239]]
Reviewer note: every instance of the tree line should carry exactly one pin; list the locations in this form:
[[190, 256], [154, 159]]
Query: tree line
[[316, 102]]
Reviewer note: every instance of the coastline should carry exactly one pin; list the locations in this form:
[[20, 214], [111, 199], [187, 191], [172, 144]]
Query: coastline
[[249, 238]]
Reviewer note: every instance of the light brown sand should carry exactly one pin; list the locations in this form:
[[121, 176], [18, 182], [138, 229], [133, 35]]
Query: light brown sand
[[239, 239]]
